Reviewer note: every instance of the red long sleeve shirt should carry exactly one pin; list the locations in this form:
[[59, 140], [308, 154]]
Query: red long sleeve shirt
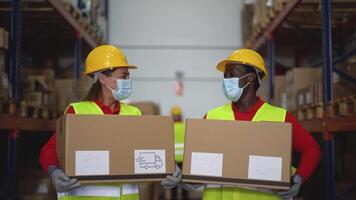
[[48, 154], [303, 142]]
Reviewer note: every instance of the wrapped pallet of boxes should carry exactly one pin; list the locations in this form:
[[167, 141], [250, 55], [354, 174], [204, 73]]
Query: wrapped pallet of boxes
[[297, 79]]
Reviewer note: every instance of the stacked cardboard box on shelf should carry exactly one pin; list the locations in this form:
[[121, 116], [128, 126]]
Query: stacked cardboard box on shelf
[[38, 99], [297, 79], [4, 38], [246, 21], [310, 98], [69, 90], [279, 88], [261, 13]]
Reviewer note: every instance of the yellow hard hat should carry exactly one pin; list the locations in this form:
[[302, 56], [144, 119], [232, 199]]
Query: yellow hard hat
[[245, 57], [105, 57], [176, 111]]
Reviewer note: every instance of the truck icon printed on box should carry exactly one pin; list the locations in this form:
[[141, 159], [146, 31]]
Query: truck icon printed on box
[[149, 160]]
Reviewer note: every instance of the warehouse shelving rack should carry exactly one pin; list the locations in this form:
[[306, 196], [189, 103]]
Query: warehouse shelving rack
[[36, 15], [327, 126]]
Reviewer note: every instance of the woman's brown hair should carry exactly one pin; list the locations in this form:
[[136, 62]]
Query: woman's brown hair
[[95, 90]]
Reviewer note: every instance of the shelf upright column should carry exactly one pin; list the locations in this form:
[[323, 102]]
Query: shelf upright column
[[15, 43], [271, 65], [327, 74]]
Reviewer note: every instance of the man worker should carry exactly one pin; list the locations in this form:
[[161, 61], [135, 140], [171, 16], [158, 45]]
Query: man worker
[[243, 71]]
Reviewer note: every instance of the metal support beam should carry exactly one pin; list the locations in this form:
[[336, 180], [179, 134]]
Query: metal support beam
[[344, 75], [282, 15], [327, 73], [78, 55], [15, 43], [271, 65]]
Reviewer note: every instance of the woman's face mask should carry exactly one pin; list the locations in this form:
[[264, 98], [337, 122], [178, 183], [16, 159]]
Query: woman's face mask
[[123, 89], [231, 88]]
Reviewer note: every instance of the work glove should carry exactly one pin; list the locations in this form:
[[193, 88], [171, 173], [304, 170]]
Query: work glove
[[293, 191], [60, 181], [174, 180], [192, 186]]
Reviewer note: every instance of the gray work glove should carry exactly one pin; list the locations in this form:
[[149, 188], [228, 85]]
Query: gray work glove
[[293, 191], [60, 181], [192, 186], [174, 180]]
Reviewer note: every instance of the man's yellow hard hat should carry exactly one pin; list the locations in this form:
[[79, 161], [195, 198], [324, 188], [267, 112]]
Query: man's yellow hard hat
[[245, 57], [105, 57], [176, 110]]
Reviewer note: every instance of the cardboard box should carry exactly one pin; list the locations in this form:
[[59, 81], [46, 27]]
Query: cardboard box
[[343, 89], [240, 153], [34, 99], [4, 38], [65, 93], [116, 148], [297, 79]]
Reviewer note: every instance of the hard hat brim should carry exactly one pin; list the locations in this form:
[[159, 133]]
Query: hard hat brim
[[111, 68], [222, 65]]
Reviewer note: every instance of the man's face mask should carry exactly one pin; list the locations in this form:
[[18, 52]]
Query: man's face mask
[[231, 88]]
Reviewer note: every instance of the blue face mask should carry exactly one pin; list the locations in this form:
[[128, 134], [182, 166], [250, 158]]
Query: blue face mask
[[231, 88], [123, 89]]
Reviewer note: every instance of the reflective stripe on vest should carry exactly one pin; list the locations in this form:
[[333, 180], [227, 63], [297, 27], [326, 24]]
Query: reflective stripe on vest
[[266, 112], [102, 191], [179, 132]]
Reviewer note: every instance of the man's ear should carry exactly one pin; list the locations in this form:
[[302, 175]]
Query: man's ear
[[252, 77]]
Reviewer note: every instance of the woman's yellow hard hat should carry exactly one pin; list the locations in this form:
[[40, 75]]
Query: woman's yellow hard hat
[[105, 57]]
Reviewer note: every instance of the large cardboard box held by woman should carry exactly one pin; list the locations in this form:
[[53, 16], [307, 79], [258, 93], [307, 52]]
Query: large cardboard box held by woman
[[111, 148]]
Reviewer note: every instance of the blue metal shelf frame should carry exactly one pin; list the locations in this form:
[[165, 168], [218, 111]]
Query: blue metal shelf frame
[[327, 74], [15, 43], [271, 64]]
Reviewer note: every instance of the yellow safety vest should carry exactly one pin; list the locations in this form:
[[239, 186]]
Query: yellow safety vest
[[179, 131], [267, 112], [108, 191]]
